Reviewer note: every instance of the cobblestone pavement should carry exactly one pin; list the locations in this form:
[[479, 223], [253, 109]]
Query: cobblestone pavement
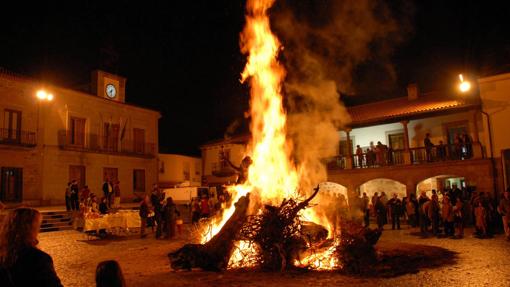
[[144, 262]]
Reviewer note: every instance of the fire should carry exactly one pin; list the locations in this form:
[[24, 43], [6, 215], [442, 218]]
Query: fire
[[322, 260], [272, 175]]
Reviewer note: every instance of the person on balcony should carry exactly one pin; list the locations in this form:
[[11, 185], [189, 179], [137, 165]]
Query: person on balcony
[[359, 156], [458, 143], [428, 147], [467, 145], [441, 151]]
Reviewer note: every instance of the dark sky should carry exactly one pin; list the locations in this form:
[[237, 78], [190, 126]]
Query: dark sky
[[182, 57]]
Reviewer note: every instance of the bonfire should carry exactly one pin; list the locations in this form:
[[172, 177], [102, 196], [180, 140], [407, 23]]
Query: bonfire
[[271, 223]]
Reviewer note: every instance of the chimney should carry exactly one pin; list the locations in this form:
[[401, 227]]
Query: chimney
[[412, 91]]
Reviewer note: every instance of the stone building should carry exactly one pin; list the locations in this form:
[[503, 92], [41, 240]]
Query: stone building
[[51, 135], [403, 164], [176, 169]]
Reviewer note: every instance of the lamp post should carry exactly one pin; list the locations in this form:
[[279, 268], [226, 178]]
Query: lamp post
[[41, 95]]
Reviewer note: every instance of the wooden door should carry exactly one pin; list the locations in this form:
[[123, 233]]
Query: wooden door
[[77, 172], [11, 184]]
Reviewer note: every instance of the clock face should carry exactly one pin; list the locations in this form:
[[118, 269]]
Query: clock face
[[111, 92]]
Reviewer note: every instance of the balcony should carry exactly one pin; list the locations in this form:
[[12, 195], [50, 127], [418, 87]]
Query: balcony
[[107, 145], [17, 138], [414, 156]]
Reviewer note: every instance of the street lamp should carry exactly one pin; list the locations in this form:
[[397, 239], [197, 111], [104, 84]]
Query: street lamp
[[41, 95], [464, 86]]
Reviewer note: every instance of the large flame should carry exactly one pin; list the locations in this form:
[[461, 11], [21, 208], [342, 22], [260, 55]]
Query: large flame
[[272, 175]]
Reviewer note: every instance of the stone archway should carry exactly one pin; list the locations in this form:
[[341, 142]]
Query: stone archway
[[439, 183], [380, 185]]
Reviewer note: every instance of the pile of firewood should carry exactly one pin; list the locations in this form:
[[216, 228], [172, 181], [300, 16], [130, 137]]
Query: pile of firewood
[[280, 237]]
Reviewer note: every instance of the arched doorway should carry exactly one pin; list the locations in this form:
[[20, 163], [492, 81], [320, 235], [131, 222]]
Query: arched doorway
[[380, 185], [440, 183]]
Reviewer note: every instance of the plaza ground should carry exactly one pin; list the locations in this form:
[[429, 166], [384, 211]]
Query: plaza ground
[[475, 262]]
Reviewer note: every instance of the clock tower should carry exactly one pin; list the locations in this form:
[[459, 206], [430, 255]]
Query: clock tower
[[109, 86]]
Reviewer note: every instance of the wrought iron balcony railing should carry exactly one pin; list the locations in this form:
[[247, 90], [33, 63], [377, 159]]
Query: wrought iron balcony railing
[[416, 155], [88, 142], [17, 137]]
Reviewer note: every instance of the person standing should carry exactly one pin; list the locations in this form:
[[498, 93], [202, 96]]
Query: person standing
[[481, 218], [205, 209], [410, 210], [107, 189], [68, 196], [20, 259], [144, 213], [366, 209], [359, 156], [447, 215], [395, 205], [380, 213], [428, 147], [441, 150], [422, 200], [75, 202], [170, 216], [458, 215], [433, 214], [504, 210], [116, 193], [156, 198]]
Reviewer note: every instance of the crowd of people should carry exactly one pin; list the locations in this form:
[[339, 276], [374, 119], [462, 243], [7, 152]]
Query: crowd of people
[[86, 201], [444, 213], [381, 154]]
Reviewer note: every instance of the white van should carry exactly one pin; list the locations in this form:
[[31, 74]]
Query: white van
[[184, 195]]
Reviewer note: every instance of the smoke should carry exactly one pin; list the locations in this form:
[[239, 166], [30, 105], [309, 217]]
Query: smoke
[[326, 43]]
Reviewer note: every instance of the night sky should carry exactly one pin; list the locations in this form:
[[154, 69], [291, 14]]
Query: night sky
[[182, 57]]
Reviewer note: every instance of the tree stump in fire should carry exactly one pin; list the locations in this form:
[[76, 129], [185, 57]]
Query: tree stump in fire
[[215, 254]]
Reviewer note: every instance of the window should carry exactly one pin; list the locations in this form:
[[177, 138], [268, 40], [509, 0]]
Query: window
[[111, 136], [396, 141], [77, 131], [11, 184], [139, 180], [12, 126], [454, 130], [139, 140]]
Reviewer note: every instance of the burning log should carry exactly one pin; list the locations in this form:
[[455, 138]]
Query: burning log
[[215, 254]]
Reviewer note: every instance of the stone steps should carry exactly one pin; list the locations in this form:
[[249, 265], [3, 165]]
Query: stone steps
[[56, 221]]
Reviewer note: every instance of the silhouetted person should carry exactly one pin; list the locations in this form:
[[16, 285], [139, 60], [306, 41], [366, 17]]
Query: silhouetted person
[[428, 147], [21, 262], [109, 274]]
